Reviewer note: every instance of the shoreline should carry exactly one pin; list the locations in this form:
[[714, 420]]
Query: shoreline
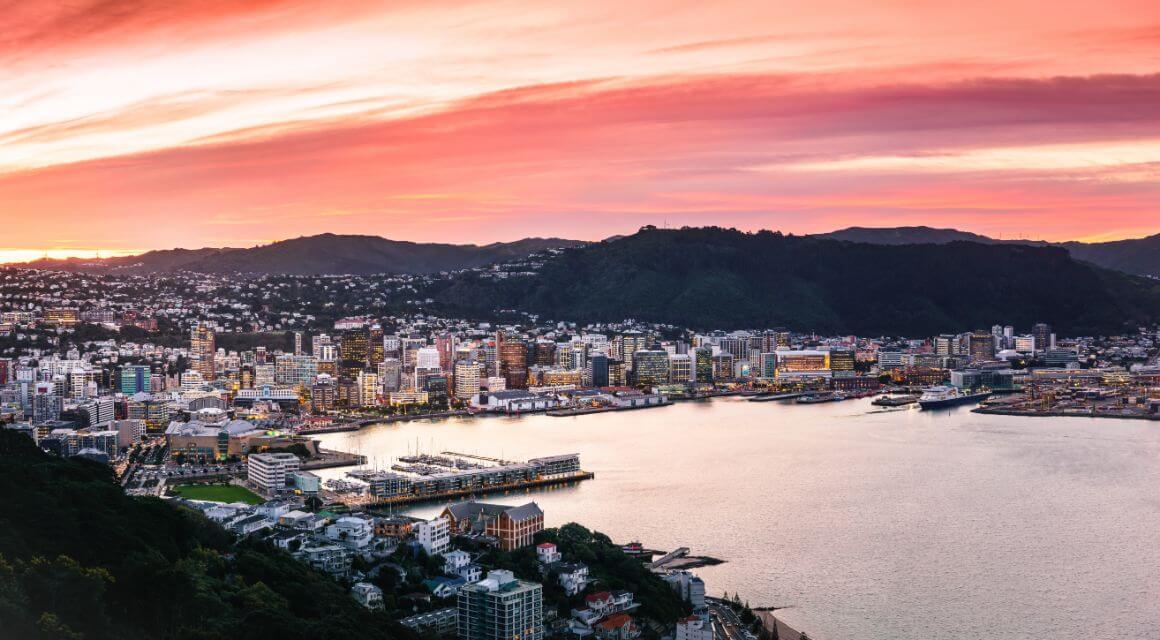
[[1020, 413]]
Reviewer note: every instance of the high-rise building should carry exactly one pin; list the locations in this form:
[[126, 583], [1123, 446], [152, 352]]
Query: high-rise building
[[500, 607], [944, 345], [375, 349], [630, 343], [202, 349], [353, 347], [367, 388], [513, 363], [446, 344], [841, 359], [703, 364], [544, 353], [298, 343], [1042, 334], [981, 346], [722, 367], [467, 378], [135, 378], [598, 370], [390, 374], [650, 367], [680, 368]]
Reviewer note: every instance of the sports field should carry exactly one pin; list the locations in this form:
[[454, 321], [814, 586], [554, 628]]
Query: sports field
[[217, 493]]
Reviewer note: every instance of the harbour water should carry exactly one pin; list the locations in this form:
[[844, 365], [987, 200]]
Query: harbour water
[[863, 522]]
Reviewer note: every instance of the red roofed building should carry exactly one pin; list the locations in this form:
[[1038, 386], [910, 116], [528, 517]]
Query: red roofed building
[[619, 626]]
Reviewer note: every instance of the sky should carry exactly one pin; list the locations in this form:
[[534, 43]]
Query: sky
[[128, 125]]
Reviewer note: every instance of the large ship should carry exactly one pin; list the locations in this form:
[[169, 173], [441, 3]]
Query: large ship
[[946, 396]]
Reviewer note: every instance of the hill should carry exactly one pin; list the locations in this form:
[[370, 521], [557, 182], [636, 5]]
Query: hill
[[904, 235], [1139, 256], [80, 559], [722, 278], [312, 255]]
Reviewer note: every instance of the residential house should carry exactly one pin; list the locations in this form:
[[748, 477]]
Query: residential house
[[443, 586], [368, 595], [546, 553]]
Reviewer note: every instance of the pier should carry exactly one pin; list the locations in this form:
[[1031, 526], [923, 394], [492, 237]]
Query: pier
[[401, 500], [426, 477]]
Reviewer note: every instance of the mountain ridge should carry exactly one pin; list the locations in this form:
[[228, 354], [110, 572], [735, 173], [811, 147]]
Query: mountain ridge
[[355, 254], [321, 254], [714, 278], [1137, 256]]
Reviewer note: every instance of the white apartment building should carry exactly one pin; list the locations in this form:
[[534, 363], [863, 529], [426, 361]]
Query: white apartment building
[[434, 536], [268, 471]]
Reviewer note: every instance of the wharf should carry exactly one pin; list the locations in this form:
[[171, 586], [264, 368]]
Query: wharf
[[329, 459], [583, 411], [1056, 413], [480, 491], [366, 422], [773, 397]]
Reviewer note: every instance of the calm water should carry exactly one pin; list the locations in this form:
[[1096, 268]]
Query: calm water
[[865, 523]]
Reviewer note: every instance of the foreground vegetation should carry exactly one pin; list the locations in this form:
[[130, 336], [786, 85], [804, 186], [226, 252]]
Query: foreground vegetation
[[80, 559]]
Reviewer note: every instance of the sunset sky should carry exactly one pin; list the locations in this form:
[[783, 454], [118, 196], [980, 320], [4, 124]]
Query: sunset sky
[[128, 125]]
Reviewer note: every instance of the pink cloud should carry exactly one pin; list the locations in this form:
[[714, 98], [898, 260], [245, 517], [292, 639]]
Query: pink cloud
[[593, 158]]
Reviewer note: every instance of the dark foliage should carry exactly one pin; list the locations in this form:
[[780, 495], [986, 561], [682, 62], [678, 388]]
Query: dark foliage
[[722, 278], [79, 559]]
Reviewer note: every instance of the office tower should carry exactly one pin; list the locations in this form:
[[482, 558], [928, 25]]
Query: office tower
[[841, 359], [781, 339], [703, 364], [768, 365], [944, 345], [981, 346], [598, 370], [680, 368], [737, 347], [390, 374], [513, 364], [375, 348], [322, 395], [617, 373], [320, 343], [202, 349], [353, 348], [446, 345], [500, 607], [544, 353], [722, 367], [135, 379], [298, 343], [630, 343], [1042, 334], [650, 367]]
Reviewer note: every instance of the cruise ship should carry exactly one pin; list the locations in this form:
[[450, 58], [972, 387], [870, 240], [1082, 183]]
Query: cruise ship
[[946, 396]]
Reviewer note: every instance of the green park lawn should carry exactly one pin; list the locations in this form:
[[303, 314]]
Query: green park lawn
[[217, 493]]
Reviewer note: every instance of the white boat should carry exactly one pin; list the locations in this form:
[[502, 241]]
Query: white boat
[[947, 396]]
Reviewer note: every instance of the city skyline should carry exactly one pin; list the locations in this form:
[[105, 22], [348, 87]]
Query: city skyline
[[184, 124]]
